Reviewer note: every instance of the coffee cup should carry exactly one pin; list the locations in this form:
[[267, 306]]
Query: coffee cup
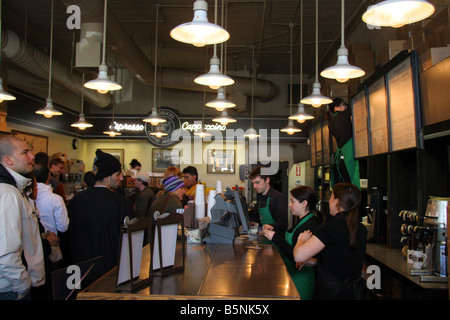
[[419, 259]]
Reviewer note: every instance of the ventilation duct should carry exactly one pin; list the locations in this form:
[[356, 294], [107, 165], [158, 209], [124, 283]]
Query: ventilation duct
[[36, 62]]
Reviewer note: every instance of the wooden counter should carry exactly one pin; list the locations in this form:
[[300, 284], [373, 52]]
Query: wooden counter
[[393, 262], [212, 271]]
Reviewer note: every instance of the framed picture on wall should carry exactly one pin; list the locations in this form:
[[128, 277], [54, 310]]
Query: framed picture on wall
[[221, 161], [118, 153], [162, 158], [37, 143]]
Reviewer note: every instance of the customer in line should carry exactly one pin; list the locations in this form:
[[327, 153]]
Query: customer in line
[[56, 167], [302, 203], [97, 214], [169, 200], [146, 195], [340, 247], [19, 229]]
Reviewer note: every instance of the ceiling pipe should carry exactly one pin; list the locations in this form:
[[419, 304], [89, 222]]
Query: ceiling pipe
[[28, 57], [130, 55]]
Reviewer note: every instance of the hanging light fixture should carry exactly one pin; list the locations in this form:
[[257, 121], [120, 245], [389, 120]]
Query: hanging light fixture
[[154, 117], [102, 83], [199, 31], [224, 119], [49, 111], [397, 13], [3, 94], [342, 70], [251, 133], [220, 103], [316, 99], [82, 123], [290, 128], [301, 116], [111, 131]]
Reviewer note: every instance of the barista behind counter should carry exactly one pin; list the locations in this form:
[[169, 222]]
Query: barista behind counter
[[271, 206]]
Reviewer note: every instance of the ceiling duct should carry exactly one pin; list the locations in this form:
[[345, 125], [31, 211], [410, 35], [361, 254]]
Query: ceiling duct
[[35, 61], [132, 58]]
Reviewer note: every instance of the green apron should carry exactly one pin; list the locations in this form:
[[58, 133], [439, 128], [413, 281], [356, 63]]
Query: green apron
[[351, 165], [264, 214], [304, 279]]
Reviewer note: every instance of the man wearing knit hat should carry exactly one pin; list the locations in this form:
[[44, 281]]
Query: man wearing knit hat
[[96, 215], [170, 199]]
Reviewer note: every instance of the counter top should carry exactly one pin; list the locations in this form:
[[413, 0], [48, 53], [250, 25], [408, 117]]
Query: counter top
[[395, 261], [212, 271]]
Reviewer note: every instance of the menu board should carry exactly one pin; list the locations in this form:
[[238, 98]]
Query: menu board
[[312, 138], [360, 131], [401, 107], [378, 117], [326, 142]]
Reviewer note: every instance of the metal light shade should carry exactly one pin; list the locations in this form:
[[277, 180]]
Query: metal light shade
[[220, 103], [251, 133], [342, 70], [111, 131], [49, 111], [5, 95], [154, 118], [202, 134], [81, 123], [214, 78], [301, 115], [102, 84], [158, 134], [290, 129], [224, 119], [316, 99], [200, 31], [396, 13]]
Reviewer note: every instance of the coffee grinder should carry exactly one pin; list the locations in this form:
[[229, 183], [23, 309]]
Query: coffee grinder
[[436, 222]]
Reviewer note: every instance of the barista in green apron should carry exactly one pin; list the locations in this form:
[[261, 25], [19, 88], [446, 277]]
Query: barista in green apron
[[344, 167], [303, 279], [264, 214]]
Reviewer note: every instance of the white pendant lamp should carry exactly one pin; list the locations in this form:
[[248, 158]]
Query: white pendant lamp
[[111, 131], [200, 31], [290, 128], [158, 134], [251, 133], [342, 70], [316, 99], [214, 78], [82, 123], [3, 94], [301, 116], [224, 119], [220, 103], [154, 117], [102, 83], [49, 111], [397, 13]]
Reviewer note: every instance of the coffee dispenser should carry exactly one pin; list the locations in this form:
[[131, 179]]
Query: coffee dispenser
[[436, 221]]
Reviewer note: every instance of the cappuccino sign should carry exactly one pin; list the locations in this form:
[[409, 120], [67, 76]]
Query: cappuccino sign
[[207, 127]]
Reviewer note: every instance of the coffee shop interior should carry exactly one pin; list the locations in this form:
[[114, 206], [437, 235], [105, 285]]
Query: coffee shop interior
[[274, 55]]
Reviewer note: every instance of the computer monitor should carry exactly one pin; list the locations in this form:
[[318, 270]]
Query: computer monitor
[[242, 211]]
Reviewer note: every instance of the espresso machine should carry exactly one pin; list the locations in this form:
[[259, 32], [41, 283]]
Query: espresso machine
[[436, 223]]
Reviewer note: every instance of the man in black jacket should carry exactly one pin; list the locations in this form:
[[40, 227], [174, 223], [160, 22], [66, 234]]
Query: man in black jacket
[[96, 216]]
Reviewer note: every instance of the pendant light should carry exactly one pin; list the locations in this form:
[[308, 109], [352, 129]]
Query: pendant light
[[49, 111], [342, 70], [199, 31], [251, 133], [154, 117], [82, 123], [3, 94], [221, 103], [316, 99], [224, 119], [397, 13], [290, 128], [301, 115], [111, 131], [102, 83], [214, 78]]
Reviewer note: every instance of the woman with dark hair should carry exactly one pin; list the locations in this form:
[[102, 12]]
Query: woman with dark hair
[[344, 167], [302, 203], [340, 247], [135, 165]]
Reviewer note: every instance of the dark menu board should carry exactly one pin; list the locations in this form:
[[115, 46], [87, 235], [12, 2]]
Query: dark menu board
[[378, 117], [402, 113], [326, 143], [360, 131]]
